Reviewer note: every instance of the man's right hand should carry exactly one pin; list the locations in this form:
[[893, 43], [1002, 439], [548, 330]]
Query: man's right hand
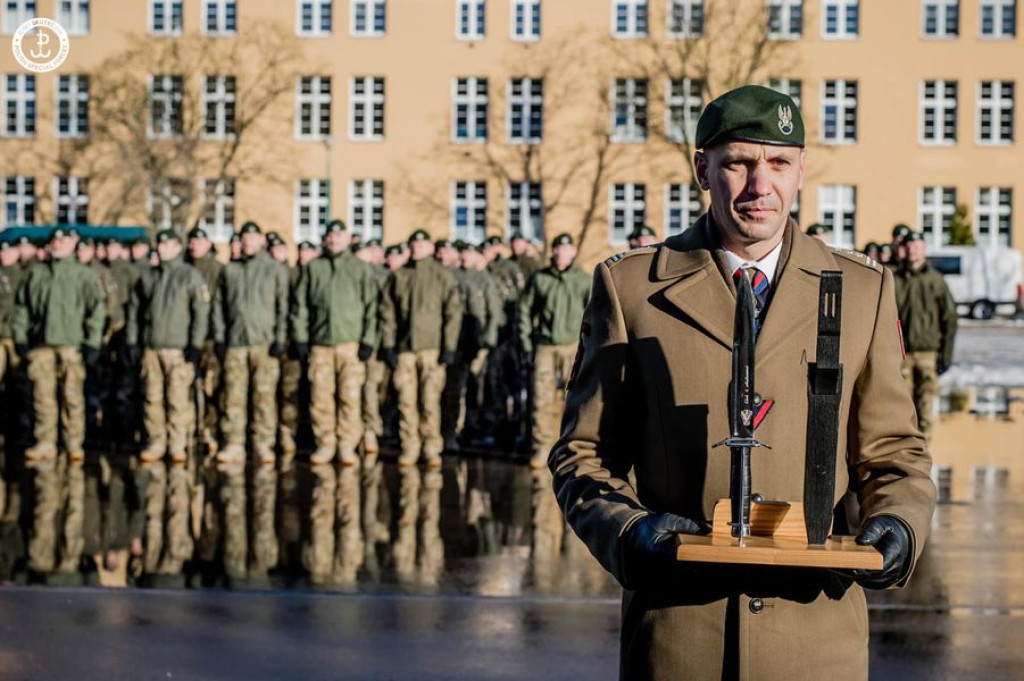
[[132, 355], [21, 351], [299, 351], [650, 543], [390, 358], [221, 350]]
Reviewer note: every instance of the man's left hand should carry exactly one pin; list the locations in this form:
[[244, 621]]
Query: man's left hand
[[891, 537], [90, 356]]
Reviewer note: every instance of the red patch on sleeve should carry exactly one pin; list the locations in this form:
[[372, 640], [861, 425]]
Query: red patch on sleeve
[[899, 330]]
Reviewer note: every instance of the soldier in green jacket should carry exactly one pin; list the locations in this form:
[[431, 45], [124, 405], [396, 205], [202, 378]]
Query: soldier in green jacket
[[481, 304], [336, 311], [420, 321], [57, 323], [168, 317], [376, 371], [203, 257], [505, 365], [526, 263], [550, 312], [928, 321], [293, 409]]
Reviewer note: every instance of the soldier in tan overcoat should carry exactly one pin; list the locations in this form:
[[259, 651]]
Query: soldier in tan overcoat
[[648, 394]]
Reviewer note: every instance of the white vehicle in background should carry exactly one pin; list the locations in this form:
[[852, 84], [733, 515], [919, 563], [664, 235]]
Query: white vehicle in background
[[983, 280]]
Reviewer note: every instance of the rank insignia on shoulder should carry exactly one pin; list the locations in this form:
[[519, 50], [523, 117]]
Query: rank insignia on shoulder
[[858, 256], [618, 257]]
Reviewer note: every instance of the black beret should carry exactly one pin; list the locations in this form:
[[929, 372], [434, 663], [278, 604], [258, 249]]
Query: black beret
[[751, 113], [900, 230], [419, 235], [336, 226], [913, 236], [167, 235], [250, 227], [198, 233], [562, 240]]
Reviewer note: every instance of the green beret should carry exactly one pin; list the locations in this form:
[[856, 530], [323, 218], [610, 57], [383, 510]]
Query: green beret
[[419, 235], [62, 232], [493, 241], [751, 113], [900, 231], [23, 240], [517, 236], [642, 230], [167, 235], [85, 242], [371, 243], [250, 227], [443, 243], [274, 239], [913, 236], [885, 248], [336, 226], [394, 249], [197, 233], [817, 228], [307, 246], [561, 240], [5, 245], [235, 238]]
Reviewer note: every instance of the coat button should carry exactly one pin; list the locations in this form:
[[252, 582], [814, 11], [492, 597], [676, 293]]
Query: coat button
[[756, 605]]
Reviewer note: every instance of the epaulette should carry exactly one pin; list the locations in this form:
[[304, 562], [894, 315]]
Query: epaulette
[[857, 257], [618, 257]]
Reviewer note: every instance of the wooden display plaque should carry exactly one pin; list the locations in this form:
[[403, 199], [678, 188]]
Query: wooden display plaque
[[778, 538]]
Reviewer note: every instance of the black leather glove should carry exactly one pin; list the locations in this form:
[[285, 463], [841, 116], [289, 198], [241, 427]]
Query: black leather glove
[[91, 356], [132, 355], [390, 358], [891, 537], [941, 367], [300, 351], [447, 358], [22, 351], [221, 350], [276, 350], [650, 543], [365, 352], [191, 355]]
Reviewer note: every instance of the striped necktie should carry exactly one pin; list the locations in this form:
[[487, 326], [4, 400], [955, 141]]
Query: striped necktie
[[761, 286]]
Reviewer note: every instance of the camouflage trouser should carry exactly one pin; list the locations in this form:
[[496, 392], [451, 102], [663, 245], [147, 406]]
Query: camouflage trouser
[[241, 365], [336, 378], [168, 413], [166, 495], [291, 380], [921, 374], [211, 369], [419, 380], [454, 375], [336, 537], [418, 537], [373, 396], [551, 367], [471, 386], [57, 375]]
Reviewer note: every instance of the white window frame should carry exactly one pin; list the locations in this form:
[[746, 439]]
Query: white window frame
[[370, 104], [171, 9], [939, 105], [222, 100], [22, 200], [171, 99], [997, 103], [842, 101], [636, 107], [529, 105], [999, 9], [842, 8], [786, 8], [682, 207], [76, 100], [165, 200], [930, 203], [791, 87], [942, 11], [688, 13], [988, 206], [687, 96], [637, 14], [473, 100], [320, 104], [524, 212], [366, 208], [23, 103], [372, 10], [531, 12], [837, 203], [317, 14], [475, 12], [317, 202], [632, 207], [71, 196], [73, 15], [26, 9], [221, 29], [474, 201], [217, 196]]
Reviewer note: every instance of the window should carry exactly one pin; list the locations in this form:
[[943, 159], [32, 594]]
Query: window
[[526, 19], [218, 217], [525, 110], [685, 18], [938, 112], [630, 18], [367, 115], [837, 209], [17, 12], [19, 200], [366, 208], [72, 106], [935, 209], [470, 19], [839, 112], [525, 210], [469, 211], [684, 101], [469, 110], [995, 112], [941, 18], [314, 104], [20, 106], [629, 110], [628, 210], [369, 17], [311, 204], [218, 103], [165, 17], [840, 19], [73, 15], [993, 211], [165, 94], [785, 19], [682, 207], [787, 86], [220, 17], [168, 207], [998, 18], [313, 18], [72, 200]]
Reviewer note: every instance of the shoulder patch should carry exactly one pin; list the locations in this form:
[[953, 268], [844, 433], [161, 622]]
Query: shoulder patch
[[619, 257], [857, 257]]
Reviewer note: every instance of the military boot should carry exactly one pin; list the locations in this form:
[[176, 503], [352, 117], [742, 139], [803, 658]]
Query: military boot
[[322, 455], [347, 456], [231, 457]]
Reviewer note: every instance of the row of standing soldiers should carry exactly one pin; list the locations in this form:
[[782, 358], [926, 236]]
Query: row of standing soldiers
[[231, 362]]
